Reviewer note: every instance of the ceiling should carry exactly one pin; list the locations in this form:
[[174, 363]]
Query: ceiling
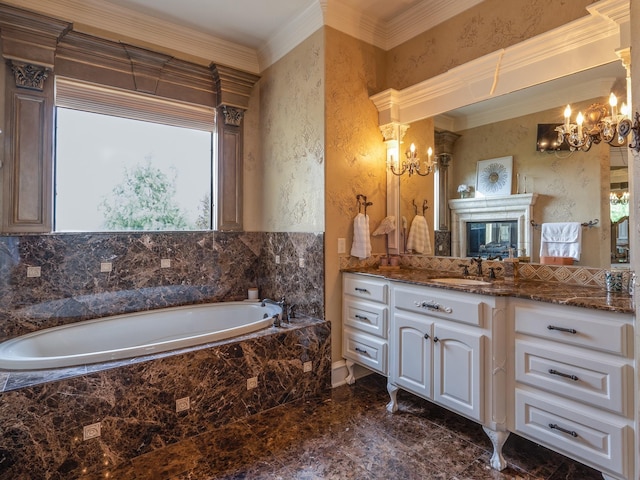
[[252, 23]]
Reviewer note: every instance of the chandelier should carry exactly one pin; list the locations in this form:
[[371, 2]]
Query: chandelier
[[412, 164], [623, 199], [597, 124]]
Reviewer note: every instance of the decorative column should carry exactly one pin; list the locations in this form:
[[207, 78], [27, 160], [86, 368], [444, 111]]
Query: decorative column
[[28, 46], [233, 89], [444, 141]]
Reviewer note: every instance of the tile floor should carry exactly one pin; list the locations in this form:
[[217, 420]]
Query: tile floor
[[349, 435]]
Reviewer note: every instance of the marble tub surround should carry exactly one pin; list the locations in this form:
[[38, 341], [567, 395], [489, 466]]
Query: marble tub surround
[[567, 274], [42, 425], [551, 292], [205, 267]]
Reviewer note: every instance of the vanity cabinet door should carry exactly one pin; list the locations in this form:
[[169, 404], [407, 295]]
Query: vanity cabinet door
[[458, 382], [411, 362]]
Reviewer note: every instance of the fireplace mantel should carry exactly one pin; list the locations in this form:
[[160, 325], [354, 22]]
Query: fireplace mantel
[[485, 209]]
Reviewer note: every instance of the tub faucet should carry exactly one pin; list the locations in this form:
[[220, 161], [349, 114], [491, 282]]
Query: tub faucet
[[284, 316]]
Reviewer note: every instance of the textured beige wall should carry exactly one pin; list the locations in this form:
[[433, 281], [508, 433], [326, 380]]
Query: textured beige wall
[[571, 186], [485, 28], [284, 144], [355, 156]]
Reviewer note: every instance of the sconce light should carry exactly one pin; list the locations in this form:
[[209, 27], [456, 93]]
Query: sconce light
[[412, 163], [623, 199], [595, 126]]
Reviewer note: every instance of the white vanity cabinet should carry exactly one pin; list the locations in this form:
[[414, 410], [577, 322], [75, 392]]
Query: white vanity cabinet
[[437, 347], [573, 383], [365, 319]]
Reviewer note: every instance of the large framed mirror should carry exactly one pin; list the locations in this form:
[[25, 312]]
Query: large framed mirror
[[496, 103]]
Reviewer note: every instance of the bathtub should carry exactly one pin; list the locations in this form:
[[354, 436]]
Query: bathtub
[[134, 334]]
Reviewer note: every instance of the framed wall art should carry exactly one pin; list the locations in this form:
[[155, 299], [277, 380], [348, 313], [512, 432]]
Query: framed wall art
[[493, 177]]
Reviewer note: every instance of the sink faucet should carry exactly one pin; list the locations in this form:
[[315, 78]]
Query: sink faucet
[[284, 316], [478, 260]]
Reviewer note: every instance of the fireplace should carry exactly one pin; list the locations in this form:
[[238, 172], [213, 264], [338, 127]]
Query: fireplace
[[489, 226]]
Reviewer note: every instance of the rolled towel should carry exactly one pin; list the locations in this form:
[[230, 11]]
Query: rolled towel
[[419, 240], [361, 246]]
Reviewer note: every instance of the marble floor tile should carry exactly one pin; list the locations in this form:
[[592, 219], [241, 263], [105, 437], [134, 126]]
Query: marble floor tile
[[348, 434]]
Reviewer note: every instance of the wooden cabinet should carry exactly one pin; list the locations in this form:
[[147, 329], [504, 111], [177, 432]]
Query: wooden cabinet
[[365, 319], [573, 383], [437, 343]]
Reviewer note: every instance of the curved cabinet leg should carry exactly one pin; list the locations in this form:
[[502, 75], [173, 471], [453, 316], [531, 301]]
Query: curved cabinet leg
[[351, 379], [392, 406], [497, 440]]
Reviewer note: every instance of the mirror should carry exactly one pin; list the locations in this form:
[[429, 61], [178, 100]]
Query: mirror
[[571, 186]]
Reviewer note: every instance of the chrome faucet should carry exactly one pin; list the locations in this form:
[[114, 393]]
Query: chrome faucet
[[478, 260]]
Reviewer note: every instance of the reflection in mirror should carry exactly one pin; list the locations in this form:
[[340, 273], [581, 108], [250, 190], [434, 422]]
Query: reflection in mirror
[[417, 191], [571, 186], [619, 207]]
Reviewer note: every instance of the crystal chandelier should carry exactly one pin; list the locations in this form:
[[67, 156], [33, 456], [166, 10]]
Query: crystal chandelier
[[412, 164], [623, 199], [597, 124]]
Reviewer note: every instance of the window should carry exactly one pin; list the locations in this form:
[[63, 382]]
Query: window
[[126, 161]]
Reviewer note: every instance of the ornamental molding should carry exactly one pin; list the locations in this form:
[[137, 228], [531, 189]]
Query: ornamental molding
[[232, 115], [393, 131], [29, 76]]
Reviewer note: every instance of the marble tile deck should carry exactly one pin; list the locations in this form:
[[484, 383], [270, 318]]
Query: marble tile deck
[[348, 434]]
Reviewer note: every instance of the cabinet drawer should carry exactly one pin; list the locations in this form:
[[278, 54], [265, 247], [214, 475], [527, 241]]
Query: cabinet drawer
[[369, 317], [366, 288], [459, 307], [598, 379], [577, 327], [365, 350], [600, 440]]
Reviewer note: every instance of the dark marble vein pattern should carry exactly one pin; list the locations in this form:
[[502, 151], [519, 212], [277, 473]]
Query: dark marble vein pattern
[[41, 426], [551, 292], [205, 267], [347, 434]]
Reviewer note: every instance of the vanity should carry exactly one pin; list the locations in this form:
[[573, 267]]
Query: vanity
[[552, 363]]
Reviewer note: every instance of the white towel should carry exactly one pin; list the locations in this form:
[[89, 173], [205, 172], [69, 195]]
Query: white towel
[[563, 239], [361, 246], [419, 240]]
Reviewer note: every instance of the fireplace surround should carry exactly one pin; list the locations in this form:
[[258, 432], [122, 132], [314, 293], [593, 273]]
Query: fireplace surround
[[517, 208]]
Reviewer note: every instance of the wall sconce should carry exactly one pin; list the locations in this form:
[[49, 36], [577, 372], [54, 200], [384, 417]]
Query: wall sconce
[[595, 126], [412, 163]]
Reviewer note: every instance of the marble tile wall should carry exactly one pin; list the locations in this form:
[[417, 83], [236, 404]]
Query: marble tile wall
[[42, 425], [205, 266]]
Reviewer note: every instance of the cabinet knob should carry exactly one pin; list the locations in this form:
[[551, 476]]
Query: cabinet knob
[[426, 336], [436, 339]]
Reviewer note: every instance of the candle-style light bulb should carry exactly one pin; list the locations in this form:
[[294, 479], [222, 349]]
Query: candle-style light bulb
[[613, 101], [429, 153], [567, 117], [624, 109], [579, 120]]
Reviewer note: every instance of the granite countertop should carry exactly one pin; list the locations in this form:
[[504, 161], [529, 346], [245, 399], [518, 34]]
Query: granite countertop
[[550, 292]]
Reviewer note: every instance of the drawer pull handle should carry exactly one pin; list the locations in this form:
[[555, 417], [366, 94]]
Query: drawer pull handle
[[565, 375], [363, 352], [360, 317], [562, 329], [433, 306], [426, 336], [553, 426], [361, 290]]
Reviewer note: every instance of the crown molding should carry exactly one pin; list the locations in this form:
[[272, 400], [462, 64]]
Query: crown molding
[[114, 21], [422, 17], [285, 40]]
